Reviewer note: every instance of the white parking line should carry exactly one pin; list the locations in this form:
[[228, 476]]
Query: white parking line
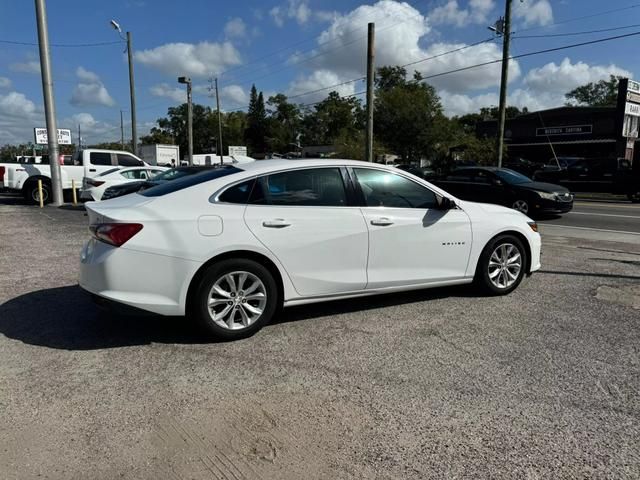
[[586, 228], [604, 215]]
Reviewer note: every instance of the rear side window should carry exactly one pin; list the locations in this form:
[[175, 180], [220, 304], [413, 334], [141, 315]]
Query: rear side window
[[238, 193], [189, 181], [309, 187], [128, 161], [135, 174], [100, 158]]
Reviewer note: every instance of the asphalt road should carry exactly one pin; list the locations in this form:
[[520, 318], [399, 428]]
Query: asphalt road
[[603, 216], [443, 383]]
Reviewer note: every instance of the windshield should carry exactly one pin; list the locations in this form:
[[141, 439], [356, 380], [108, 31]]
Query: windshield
[[511, 177]]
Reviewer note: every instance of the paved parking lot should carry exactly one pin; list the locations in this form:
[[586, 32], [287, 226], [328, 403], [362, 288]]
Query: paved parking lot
[[544, 383]]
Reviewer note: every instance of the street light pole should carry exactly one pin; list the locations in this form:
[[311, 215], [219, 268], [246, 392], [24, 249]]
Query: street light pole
[[187, 81], [132, 87], [49, 102]]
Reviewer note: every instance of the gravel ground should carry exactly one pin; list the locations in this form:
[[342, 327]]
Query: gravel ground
[[443, 383]]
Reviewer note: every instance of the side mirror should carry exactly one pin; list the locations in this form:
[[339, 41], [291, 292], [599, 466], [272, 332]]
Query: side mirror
[[445, 203]]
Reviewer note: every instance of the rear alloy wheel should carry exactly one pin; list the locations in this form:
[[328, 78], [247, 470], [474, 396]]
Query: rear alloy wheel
[[235, 298], [521, 206], [502, 265]]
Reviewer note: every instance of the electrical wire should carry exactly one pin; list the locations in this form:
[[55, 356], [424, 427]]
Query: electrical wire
[[588, 32], [64, 45]]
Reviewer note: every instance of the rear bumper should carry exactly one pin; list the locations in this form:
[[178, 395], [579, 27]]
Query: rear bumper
[[144, 281]]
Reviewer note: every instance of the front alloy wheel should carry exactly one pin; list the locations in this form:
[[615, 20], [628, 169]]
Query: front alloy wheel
[[501, 265], [521, 206]]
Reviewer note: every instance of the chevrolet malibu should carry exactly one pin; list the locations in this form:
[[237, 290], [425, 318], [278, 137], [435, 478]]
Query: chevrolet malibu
[[230, 246]]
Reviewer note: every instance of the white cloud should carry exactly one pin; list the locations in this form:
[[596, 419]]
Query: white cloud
[[174, 93], [234, 95], [30, 66], [90, 90], [317, 80], [299, 11], [451, 14], [533, 12], [235, 28], [566, 76], [459, 104], [197, 60], [5, 82], [18, 116], [342, 50]]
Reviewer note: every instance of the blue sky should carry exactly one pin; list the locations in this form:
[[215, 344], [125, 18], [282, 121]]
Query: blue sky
[[295, 47]]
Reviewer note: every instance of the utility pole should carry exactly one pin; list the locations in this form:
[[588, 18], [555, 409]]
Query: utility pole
[[219, 123], [132, 87], [187, 81], [370, 75], [503, 27], [49, 102], [79, 138], [121, 130], [132, 90]]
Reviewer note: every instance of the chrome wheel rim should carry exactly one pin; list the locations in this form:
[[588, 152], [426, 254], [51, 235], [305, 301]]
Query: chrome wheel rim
[[505, 264], [521, 206], [236, 300]]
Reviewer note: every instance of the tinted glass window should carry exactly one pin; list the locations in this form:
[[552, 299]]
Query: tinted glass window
[[460, 176], [100, 158], [128, 161], [238, 193], [189, 181], [308, 187], [135, 174], [511, 177], [384, 189]]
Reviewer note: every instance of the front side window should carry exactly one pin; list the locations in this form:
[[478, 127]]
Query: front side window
[[385, 189], [319, 187], [125, 160], [100, 158]]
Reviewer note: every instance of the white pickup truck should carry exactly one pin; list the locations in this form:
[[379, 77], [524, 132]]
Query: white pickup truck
[[23, 177]]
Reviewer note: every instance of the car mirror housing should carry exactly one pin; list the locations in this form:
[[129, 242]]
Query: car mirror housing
[[445, 203]]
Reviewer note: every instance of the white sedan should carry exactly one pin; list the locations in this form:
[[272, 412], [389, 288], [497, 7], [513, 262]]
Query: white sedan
[[229, 246], [93, 188]]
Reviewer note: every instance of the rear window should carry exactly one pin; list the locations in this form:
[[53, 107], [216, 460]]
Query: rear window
[[189, 181]]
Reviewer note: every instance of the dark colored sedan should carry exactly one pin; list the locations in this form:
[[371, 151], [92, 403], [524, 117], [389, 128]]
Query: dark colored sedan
[[506, 187], [132, 187]]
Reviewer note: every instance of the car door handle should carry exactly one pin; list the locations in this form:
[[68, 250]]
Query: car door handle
[[276, 223], [92, 169], [381, 222]]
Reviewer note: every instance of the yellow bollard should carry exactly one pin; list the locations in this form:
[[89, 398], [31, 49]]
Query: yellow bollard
[[73, 187], [40, 193]]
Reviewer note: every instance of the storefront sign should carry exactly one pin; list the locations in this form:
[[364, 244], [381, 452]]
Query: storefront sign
[[565, 130], [633, 97], [237, 150], [64, 136], [633, 86]]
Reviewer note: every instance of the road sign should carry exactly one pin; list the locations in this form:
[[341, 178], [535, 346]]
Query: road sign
[[237, 150], [632, 109], [41, 137]]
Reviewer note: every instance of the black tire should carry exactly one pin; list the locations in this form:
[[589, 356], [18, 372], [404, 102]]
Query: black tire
[[216, 272], [482, 278], [32, 195]]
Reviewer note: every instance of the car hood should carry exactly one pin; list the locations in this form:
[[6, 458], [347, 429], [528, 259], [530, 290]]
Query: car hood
[[543, 187], [489, 209]]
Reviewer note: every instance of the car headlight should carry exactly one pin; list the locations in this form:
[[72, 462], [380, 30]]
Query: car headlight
[[547, 196]]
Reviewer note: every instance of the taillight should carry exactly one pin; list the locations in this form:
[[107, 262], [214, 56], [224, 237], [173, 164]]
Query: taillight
[[116, 234], [1, 174], [94, 183]]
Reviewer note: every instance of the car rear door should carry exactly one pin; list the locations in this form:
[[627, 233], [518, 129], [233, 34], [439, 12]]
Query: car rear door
[[411, 241], [306, 219]]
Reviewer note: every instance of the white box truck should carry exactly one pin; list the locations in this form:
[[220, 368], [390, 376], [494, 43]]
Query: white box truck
[[160, 155]]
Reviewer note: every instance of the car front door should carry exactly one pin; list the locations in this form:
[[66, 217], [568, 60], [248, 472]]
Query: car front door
[[304, 217], [411, 241]]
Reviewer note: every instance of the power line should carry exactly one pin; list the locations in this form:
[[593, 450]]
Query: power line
[[588, 32], [63, 45], [529, 54]]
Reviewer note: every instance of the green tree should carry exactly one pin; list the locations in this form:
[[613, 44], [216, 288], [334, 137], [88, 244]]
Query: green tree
[[407, 114], [332, 118], [595, 94], [256, 130], [283, 123]]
